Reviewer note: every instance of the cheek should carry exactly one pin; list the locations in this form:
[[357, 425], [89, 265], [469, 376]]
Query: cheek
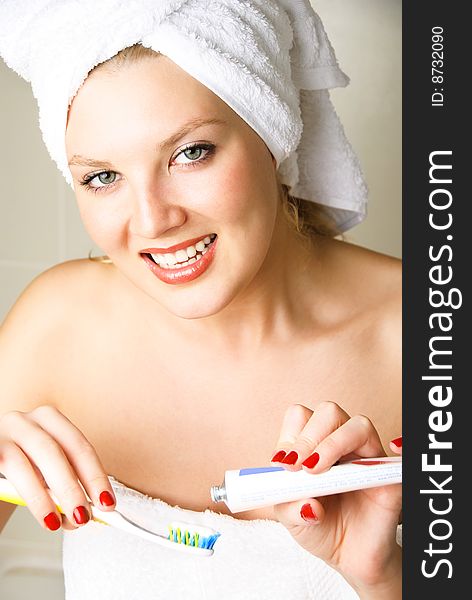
[[245, 190], [104, 226]]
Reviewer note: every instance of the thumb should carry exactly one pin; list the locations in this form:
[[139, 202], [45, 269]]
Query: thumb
[[301, 512], [306, 521]]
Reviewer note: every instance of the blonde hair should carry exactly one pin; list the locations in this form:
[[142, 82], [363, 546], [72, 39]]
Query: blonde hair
[[307, 218]]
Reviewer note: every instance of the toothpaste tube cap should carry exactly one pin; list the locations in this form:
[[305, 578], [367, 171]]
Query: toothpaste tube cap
[[218, 493]]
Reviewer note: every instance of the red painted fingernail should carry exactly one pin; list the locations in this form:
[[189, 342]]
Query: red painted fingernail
[[52, 521], [307, 513], [106, 499], [81, 515], [278, 456], [397, 442], [290, 459], [311, 461]]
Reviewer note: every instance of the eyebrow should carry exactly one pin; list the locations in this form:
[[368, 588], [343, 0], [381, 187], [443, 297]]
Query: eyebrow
[[191, 125]]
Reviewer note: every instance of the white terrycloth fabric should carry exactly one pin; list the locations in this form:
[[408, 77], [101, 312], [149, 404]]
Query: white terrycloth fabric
[[270, 60], [253, 560]]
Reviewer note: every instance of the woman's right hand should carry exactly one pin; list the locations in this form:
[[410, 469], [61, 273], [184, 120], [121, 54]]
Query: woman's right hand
[[42, 449]]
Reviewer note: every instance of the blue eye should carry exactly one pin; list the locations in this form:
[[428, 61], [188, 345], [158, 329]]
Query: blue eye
[[194, 153], [98, 181], [106, 177]]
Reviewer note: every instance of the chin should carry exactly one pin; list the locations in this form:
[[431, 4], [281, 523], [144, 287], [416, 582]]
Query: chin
[[197, 308], [200, 298]]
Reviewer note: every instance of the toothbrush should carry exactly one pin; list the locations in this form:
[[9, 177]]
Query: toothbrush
[[191, 539]]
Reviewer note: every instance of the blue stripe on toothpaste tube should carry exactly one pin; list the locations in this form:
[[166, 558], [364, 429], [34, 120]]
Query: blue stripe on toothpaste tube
[[247, 489]]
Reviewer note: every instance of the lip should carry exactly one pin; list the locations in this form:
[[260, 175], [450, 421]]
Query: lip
[[182, 274], [170, 249]]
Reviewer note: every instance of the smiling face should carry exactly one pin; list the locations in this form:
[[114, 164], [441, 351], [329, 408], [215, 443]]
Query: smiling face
[[172, 184]]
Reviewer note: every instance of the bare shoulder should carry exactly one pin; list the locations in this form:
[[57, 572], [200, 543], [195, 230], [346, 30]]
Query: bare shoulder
[[368, 286], [381, 290], [39, 324], [55, 293], [367, 291], [371, 277]]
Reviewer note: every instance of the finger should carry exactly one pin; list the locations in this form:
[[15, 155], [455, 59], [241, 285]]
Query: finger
[[396, 445], [42, 449], [295, 418], [301, 512], [16, 467], [80, 454], [67, 525], [327, 417], [357, 436]]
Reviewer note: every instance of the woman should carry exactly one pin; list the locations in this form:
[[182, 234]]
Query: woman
[[258, 347]]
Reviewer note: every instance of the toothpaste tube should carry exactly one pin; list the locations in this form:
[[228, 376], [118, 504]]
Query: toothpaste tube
[[247, 489]]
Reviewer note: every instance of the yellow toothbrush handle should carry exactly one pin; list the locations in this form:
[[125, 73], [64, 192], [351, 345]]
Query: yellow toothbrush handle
[[9, 494], [115, 519]]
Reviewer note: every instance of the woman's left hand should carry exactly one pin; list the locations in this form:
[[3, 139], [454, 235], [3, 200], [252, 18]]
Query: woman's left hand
[[354, 532]]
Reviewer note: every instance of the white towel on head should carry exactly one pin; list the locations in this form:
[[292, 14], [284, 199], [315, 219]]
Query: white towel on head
[[270, 60]]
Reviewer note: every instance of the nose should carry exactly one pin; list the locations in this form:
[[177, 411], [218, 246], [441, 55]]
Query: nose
[[154, 214]]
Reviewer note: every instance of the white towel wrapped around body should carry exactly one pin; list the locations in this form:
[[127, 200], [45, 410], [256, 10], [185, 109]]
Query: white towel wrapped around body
[[253, 560], [270, 60]]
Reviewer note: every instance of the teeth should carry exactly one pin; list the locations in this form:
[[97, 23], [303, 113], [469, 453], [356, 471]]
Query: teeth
[[185, 256], [181, 255]]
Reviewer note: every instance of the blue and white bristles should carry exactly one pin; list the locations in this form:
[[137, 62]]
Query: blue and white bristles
[[196, 537], [184, 537]]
